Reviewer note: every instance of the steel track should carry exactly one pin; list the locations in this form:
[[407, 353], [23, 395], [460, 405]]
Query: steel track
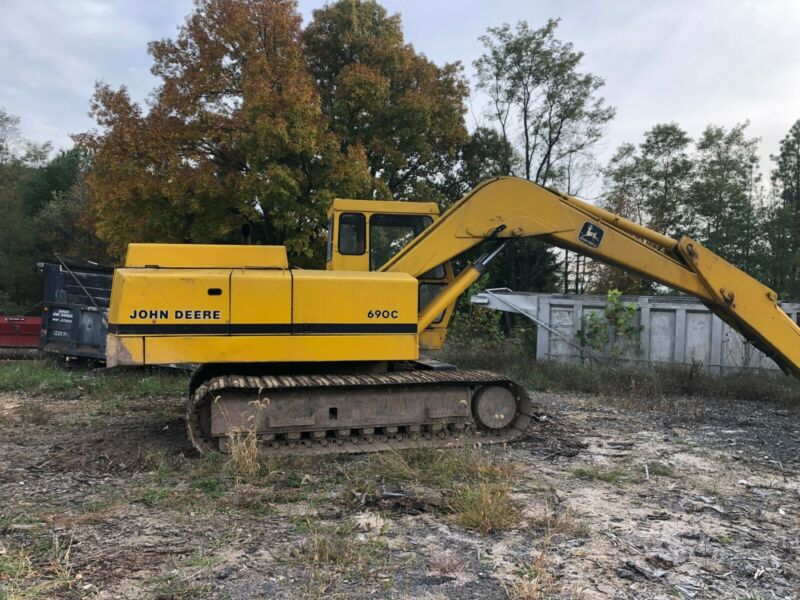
[[400, 435]]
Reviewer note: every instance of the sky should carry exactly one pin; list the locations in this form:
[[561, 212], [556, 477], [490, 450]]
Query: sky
[[694, 62]]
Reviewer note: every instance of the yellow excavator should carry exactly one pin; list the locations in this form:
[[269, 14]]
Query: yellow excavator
[[315, 361]]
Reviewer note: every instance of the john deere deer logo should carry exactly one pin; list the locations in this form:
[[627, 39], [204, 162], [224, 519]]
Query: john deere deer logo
[[591, 235]]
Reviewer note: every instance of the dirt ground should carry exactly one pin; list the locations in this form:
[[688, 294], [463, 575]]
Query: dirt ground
[[667, 498]]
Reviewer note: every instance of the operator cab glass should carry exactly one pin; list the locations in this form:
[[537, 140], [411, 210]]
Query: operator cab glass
[[388, 234]]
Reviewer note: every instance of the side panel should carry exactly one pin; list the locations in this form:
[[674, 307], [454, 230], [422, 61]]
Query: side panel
[[261, 316], [261, 301], [170, 301], [331, 302]]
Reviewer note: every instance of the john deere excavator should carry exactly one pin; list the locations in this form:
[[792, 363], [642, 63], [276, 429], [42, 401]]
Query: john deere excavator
[[329, 361]]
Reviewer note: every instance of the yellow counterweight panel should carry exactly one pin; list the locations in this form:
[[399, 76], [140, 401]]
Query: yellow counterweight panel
[[194, 256]]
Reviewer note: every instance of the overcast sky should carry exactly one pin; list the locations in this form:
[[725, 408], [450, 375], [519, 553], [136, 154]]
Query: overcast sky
[[691, 61]]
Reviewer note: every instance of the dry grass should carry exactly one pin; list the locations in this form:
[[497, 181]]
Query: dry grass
[[470, 483], [616, 475], [446, 563], [244, 460], [43, 570], [561, 522], [337, 546], [484, 507], [534, 580], [440, 468]]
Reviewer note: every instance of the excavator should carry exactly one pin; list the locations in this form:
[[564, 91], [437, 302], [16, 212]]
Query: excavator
[[328, 361]]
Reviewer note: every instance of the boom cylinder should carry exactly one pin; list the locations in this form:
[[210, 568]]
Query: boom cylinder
[[457, 287]]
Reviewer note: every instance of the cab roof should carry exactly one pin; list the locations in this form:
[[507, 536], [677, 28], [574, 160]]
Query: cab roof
[[383, 206]]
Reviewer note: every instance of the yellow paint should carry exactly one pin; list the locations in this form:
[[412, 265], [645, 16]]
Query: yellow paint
[[346, 302], [261, 296], [193, 256], [748, 305], [263, 348], [143, 295], [355, 297]]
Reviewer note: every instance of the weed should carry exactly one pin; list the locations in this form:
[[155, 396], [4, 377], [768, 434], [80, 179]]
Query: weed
[[659, 469], [725, 540], [534, 580], [212, 487], [154, 496], [336, 545], [616, 475], [438, 468], [42, 570], [161, 470], [176, 586], [484, 507], [564, 522]]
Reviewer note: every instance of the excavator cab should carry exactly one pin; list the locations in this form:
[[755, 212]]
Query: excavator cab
[[364, 234]]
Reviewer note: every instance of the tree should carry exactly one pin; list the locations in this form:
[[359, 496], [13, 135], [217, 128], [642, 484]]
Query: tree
[[56, 176], [66, 227], [783, 224], [379, 94], [485, 155], [233, 137], [666, 176], [539, 99], [18, 281], [724, 194], [534, 86]]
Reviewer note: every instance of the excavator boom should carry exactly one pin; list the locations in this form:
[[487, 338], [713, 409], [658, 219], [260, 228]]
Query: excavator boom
[[509, 207]]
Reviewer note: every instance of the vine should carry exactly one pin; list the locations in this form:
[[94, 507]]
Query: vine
[[616, 326]]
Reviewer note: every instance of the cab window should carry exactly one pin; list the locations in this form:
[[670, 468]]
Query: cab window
[[352, 233], [388, 234]]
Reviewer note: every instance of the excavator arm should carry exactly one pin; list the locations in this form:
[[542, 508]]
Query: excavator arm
[[507, 207]]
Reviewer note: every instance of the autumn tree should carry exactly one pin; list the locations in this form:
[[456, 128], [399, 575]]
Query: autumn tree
[[379, 94], [232, 140]]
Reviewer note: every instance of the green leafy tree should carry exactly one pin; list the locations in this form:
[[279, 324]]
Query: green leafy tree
[[535, 87], [379, 94], [783, 222], [724, 194], [541, 103], [485, 155], [19, 288], [666, 172]]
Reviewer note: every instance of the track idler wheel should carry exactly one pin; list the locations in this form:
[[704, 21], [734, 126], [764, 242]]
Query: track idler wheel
[[494, 406]]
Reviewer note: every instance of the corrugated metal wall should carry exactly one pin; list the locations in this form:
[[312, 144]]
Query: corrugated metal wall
[[674, 330]]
